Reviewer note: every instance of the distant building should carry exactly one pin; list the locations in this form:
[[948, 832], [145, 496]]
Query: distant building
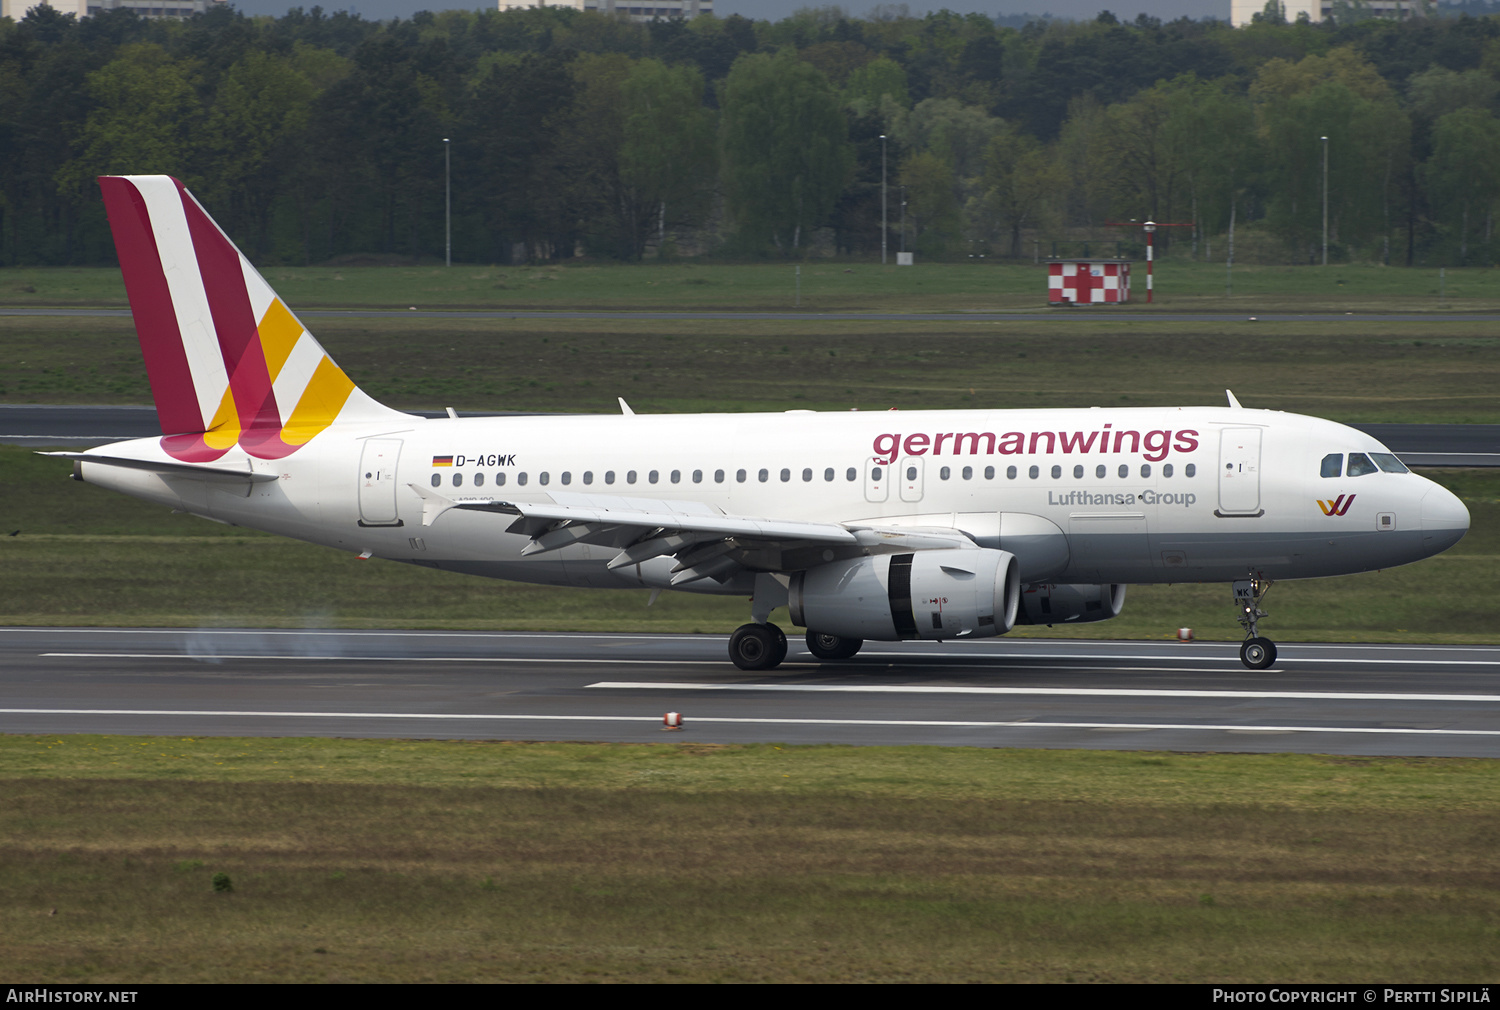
[[635, 10], [83, 8], [1241, 11]]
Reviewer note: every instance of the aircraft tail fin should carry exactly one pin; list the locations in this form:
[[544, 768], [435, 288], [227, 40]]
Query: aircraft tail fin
[[228, 361]]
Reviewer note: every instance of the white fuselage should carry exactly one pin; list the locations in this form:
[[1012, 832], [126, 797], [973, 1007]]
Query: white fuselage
[[1138, 495]]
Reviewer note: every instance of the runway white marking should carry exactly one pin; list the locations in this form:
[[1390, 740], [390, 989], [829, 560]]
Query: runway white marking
[[926, 723], [1088, 692]]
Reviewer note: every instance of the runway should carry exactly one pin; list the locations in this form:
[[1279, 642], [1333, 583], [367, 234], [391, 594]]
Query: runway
[[1339, 699]]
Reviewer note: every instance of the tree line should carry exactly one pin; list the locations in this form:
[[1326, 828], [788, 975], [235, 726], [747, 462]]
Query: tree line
[[315, 136]]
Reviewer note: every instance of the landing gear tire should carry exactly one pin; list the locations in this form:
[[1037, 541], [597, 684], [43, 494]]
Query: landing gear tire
[[832, 646], [1258, 653], [757, 647]]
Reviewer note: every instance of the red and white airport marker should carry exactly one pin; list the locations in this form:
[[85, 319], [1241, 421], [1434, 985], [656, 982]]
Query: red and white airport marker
[[672, 720]]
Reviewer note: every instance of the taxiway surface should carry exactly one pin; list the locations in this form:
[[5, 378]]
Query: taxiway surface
[[1343, 699]]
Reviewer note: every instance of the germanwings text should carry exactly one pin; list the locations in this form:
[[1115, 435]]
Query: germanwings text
[[1153, 446]]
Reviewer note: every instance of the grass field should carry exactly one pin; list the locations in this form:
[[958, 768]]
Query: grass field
[[1347, 371], [968, 286], [404, 861]]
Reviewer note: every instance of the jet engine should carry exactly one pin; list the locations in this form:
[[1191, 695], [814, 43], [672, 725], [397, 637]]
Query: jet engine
[[935, 594], [1048, 604]]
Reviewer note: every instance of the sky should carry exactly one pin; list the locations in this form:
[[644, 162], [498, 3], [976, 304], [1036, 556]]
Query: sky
[[775, 10]]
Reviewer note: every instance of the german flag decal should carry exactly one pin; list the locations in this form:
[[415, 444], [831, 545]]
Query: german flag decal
[[442, 461]]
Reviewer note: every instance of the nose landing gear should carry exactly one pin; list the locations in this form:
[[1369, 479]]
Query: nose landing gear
[[1255, 652]]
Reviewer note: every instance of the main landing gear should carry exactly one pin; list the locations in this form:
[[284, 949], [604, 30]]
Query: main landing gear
[[1256, 652], [757, 646], [763, 646], [832, 646]]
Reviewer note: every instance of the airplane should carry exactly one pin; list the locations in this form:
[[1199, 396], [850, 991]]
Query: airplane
[[883, 526]]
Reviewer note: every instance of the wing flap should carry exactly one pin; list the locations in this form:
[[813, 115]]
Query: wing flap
[[705, 542]]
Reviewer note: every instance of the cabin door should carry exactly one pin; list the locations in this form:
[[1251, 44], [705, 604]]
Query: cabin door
[[377, 482], [1239, 471]]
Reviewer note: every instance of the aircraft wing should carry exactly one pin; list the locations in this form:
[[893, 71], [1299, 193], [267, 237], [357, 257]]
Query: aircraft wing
[[706, 542]]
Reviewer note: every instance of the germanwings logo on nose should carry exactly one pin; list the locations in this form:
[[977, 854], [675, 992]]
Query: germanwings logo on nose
[[1337, 507]]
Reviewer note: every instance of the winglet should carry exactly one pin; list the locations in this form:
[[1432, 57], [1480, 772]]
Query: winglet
[[1232, 401], [625, 407]]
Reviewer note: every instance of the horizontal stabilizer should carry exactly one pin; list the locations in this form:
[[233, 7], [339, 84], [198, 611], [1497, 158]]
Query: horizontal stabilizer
[[193, 471]]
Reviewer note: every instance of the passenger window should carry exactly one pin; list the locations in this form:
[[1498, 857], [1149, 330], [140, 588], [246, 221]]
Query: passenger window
[[1145, 470], [944, 473], [630, 476], [1388, 463], [654, 476], [968, 473], [1191, 470], [544, 477], [521, 478], [1359, 465], [911, 473], [499, 480], [764, 475], [786, 475], [437, 479], [676, 476], [718, 476], [876, 474], [1034, 473], [1166, 469], [479, 480], [806, 474], [609, 476], [697, 476], [851, 474], [567, 476], [1100, 471], [1333, 464], [1124, 470], [1057, 472], [458, 480], [588, 476], [828, 474], [739, 475]]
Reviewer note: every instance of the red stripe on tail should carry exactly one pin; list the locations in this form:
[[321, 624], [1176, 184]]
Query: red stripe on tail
[[239, 341], [151, 304]]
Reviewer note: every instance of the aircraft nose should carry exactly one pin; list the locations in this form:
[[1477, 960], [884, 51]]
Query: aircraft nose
[[1444, 519]]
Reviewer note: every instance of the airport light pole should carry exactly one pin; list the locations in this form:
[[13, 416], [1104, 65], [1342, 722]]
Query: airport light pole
[[447, 203], [903, 219], [1325, 201], [884, 228]]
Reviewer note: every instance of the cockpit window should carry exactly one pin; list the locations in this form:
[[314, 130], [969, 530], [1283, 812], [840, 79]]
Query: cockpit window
[[1333, 464], [1388, 462], [1359, 465]]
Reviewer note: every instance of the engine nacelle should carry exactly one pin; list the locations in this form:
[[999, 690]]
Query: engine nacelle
[[937, 594], [1047, 604]]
